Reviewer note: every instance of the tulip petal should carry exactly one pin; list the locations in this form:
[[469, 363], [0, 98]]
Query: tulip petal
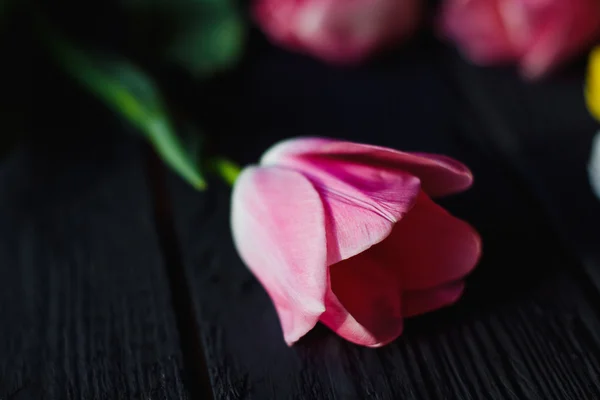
[[562, 29], [339, 32], [478, 27], [430, 247], [547, 49], [278, 226], [361, 204], [364, 303], [439, 175], [416, 302], [274, 18]]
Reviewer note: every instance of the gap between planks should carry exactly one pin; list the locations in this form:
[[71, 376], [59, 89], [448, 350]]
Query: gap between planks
[[194, 361]]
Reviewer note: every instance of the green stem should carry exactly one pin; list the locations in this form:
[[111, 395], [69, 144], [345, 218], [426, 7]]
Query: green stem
[[226, 169]]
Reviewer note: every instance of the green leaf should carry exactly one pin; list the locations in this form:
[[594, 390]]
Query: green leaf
[[131, 93], [202, 36]]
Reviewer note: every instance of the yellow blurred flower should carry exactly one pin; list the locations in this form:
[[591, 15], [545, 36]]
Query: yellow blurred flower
[[592, 87]]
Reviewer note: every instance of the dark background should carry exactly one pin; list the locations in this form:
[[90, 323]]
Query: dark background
[[118, 280]]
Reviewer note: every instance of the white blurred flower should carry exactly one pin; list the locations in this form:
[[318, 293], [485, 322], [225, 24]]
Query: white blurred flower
[[594, 165]]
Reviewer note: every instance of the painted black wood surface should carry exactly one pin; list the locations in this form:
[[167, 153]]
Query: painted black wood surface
[[528, 326], [85, 306], [545, 132], [117, 280]]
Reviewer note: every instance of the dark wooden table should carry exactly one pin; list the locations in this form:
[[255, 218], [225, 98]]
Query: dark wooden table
[[118, 281]]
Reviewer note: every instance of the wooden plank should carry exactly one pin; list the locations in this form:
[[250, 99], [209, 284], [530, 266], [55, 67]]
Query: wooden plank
[[544, 131], [526, 327], [85, 305]]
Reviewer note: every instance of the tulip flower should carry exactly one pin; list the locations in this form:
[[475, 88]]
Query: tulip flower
[[594, 165], [592, 85], [347, 234], [337, 31], [537, 35]]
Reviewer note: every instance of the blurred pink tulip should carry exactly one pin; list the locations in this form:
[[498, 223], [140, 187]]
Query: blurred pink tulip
[[346, 234], [337, 31], [535, 34]]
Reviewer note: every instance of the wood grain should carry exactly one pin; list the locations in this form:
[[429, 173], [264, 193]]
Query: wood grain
[[527, 325], [85, 305], [545, 132], [95, 303]]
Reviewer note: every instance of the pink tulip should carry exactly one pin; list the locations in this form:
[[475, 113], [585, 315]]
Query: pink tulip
[[535, 34], [337, 31], [346, 234]]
